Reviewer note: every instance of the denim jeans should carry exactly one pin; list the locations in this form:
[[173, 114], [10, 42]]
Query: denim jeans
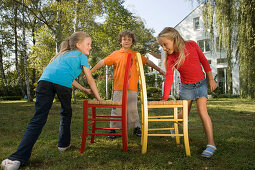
[[193, 91], [45, 93]]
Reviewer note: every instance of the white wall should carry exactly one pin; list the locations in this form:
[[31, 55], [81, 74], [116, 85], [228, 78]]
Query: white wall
[[187, 31]]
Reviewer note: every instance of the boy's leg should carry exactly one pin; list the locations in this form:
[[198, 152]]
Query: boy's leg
[[44, 98], [64, 95], [117, 97], [132, 112]]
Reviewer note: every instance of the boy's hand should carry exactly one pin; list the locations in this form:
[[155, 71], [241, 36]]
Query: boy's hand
[[162, 72], [88, 91]]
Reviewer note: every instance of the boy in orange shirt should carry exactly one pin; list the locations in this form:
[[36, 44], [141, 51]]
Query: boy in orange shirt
[[118, 59]]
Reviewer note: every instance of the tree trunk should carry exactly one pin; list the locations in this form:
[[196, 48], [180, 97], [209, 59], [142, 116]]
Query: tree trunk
[[75, 29], [16, 50], [4, 88], [59, 28], [29, 98], [229, 66]]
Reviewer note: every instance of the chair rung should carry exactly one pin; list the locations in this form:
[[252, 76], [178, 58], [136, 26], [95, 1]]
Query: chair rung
[[164, 120], [164, 106], [112, 134], [165, 135], [159, 116], [154, 129], [111, 116], [109, 128], [105, 119]]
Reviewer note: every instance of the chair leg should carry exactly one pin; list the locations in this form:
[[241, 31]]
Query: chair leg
[[142, 123], [176, 130], [124, 130], [93, 130], [145, 129], [185, 127], [85, 126]]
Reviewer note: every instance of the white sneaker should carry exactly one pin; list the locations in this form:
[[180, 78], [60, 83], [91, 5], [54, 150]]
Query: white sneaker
[[8, 164], [63, 149]]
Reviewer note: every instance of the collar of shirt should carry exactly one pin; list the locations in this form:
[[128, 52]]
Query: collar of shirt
[[125, 51]]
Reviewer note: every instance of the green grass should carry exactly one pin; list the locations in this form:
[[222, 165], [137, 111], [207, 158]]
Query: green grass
[[233, 121]]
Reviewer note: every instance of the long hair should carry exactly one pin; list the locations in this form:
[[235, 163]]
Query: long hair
[[179, 44], [69, 44]]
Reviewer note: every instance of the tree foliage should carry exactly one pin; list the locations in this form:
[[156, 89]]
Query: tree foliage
[[236, 31], [48, 22]]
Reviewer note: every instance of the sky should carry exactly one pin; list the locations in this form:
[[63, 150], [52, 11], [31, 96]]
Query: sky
[[158, 14]]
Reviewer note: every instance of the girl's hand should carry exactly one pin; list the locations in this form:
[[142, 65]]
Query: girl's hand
[[100, 100], [212, 84], [84, 77]]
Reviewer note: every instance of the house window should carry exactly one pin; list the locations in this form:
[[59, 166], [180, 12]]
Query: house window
[[221, 60], [204, 45], [196, 23]]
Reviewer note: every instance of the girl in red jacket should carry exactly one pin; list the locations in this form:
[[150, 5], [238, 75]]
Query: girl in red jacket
[[187, 57]]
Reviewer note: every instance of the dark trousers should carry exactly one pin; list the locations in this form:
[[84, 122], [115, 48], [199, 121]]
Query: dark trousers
[[45, 93]]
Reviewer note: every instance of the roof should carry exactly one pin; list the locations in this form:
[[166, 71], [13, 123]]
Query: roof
[[189, 14], [158, 56]]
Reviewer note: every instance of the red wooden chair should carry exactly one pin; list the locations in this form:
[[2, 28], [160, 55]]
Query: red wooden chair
[[107, 104]]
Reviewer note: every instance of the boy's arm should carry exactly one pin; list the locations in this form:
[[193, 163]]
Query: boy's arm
[[98, 66], [151, 64]]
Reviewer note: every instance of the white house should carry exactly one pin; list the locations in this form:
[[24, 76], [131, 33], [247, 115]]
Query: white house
[[191, 28]]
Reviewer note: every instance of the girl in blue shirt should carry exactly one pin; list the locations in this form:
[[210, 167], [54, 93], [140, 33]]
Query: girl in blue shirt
[[57, 78]]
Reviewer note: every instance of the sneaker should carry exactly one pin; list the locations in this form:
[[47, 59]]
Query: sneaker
[[137, 132], [112, 136], [8, 164], [63, 149], [172, 132], [209, 151]]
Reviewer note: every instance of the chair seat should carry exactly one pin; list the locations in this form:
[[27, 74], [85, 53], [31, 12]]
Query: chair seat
[[95, 102], [171, 102]]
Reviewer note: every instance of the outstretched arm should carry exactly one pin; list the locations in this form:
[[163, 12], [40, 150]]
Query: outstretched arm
[[91, 82], [98, 66], [151, 64], [80, 87]]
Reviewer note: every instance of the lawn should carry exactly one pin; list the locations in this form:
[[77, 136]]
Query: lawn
[[233, 121]]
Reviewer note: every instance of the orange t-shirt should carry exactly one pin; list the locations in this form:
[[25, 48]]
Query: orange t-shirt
[[118, 59]]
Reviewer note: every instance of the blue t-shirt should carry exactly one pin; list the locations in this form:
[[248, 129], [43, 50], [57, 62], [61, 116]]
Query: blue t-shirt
[[64, 69]]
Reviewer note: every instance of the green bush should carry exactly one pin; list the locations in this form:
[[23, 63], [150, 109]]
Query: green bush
[[81, 95], [11, 97], [101, 85], [154, 93]]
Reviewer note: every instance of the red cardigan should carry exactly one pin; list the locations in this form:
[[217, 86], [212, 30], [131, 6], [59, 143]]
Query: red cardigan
[[190, 71]]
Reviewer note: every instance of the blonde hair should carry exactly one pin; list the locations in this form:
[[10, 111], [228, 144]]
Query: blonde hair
[[69, 44], [179, 44]]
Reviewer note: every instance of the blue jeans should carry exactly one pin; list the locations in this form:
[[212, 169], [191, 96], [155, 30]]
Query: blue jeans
[[45, 93]]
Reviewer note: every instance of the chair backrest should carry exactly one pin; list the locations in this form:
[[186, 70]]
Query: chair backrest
[[126, 77], [142, 83]]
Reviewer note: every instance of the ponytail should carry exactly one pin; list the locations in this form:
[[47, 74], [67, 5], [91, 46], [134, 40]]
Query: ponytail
[[69, 44]]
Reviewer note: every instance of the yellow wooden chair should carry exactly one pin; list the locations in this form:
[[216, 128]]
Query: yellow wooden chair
[[145, 105]]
